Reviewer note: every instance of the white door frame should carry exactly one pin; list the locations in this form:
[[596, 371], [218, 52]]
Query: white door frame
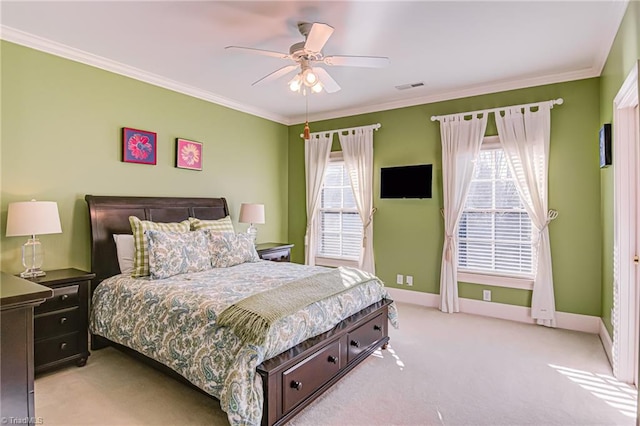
[[625, 248]]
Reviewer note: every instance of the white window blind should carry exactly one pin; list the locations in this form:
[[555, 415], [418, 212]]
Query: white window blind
[[340, 233], [494, 233]]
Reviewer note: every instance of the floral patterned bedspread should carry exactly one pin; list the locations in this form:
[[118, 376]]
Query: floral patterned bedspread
[[174, 322]]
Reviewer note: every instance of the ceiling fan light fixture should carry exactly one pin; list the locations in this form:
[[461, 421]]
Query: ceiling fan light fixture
[[295, 83], [310, 77], [317, 88]]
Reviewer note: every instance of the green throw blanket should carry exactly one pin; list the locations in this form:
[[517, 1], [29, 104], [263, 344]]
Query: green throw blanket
[[252, 318]]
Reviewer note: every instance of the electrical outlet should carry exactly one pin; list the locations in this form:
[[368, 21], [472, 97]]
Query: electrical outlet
[[409, 279], [399, 279], [486, 295]]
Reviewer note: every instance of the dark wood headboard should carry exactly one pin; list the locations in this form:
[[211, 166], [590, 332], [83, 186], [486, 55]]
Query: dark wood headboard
[[110, 215]]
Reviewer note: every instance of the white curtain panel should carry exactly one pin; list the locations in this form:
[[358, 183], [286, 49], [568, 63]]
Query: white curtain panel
[[461, 141], [525, 139], [357, 151], [316, 158]]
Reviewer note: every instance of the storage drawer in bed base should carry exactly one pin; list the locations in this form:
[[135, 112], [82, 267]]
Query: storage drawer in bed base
[[283, 373]]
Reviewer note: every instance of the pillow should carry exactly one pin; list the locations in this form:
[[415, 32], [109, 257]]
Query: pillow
[[219, 225], [173, 253], [141, 258], [229, 249], [125, 251]]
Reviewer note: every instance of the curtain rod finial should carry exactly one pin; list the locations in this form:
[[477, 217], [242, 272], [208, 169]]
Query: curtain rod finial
[[559, 101], [434, 118]]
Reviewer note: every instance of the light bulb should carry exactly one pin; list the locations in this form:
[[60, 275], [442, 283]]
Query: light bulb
[[316, 88], [295, 83], [310, 78]]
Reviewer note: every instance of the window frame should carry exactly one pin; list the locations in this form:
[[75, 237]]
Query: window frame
[[496, 279], [331, 261]]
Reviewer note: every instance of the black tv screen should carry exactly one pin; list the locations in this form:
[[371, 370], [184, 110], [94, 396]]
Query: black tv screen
[[406, 181]]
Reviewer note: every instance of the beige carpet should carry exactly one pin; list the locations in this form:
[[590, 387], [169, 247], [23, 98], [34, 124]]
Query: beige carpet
[[440, 369]]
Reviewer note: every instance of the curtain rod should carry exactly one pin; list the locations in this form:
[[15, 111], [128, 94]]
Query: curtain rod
[[553, 102], [372, 126]]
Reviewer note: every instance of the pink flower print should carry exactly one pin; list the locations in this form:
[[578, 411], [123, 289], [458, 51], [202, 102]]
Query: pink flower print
[[190, 154], [139, 146]]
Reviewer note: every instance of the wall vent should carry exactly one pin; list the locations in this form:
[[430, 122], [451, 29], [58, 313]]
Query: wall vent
[[410, 86]]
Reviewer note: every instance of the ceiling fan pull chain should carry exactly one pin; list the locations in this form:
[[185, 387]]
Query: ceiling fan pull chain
[[307, 132]]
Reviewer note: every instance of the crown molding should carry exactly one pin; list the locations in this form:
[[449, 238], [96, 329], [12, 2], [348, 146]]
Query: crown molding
[[58, 49], [48, 46], [497, 87], [601, 59]]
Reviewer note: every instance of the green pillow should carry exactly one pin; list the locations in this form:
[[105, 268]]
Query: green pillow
[[141, 255], [219, 225]]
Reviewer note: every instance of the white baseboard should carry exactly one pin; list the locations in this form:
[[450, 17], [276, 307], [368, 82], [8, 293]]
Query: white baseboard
[[565, 320], [607, 343]]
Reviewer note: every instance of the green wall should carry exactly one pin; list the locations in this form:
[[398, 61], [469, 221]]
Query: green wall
[[623, 56], [60, 132], [61, 126], [409, 233]]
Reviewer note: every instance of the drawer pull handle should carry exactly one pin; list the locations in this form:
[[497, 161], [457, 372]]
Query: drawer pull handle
[[296, 385], [333, 359], [377, 327], [63, 346], [355, 343], [64, 297], [63, 320]]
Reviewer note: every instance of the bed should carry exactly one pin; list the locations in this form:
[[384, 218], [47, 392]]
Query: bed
[[267, 383]]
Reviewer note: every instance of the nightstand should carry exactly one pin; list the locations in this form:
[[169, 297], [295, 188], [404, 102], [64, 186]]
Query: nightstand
[[61, 323], [277, 252]]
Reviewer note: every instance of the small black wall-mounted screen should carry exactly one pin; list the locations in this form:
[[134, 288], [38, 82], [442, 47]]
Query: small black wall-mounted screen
[[406, 181]]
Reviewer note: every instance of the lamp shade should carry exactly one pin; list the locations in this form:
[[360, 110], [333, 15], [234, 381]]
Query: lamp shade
[[251, 213], [33, 218]]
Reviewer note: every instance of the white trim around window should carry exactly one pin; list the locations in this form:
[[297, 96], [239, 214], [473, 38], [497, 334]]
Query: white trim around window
[[495, 280], [334, 263]]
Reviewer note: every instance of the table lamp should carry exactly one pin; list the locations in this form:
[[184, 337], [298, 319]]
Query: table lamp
[[33, 218], [251, 214]]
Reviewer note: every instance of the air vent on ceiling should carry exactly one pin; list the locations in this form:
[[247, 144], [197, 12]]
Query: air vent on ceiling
[[410, 86]]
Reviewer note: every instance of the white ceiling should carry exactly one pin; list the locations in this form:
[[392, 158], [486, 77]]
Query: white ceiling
[[456, 48]]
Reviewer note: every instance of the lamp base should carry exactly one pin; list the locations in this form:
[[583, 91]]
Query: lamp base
[[32, 273], [32, 258], [253, 232]]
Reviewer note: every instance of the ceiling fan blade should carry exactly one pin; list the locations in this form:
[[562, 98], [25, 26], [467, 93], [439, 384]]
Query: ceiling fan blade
[[357, 61], [318, 36], [276, 74], [327, 81], [260, 52]]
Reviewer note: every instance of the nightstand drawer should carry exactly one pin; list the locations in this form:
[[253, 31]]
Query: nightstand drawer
[[63, 297], [277, 256], [275, 252], [56, 348], [57, 323]]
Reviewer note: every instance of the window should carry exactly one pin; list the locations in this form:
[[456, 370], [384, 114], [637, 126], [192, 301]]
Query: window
[[340, 233], [494, 233]]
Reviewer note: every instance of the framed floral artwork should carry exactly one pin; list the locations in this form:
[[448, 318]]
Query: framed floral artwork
[[138, 146], [188, 154]]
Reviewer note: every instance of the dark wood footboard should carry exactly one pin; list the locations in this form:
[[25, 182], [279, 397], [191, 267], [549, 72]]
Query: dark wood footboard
[[294, 379]]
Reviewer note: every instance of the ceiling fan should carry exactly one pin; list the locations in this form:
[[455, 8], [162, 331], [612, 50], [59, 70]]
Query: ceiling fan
[[307, 55]]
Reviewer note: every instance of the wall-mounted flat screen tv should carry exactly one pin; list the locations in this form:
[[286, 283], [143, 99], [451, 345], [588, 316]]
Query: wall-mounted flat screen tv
[[406, 181]]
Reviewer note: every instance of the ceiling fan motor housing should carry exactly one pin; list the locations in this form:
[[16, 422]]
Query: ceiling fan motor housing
[[297, 52]]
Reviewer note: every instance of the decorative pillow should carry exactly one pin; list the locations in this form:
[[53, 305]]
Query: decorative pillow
[[219, 225], [141, 258], [228, 249], [173, 253], [125, 251]]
